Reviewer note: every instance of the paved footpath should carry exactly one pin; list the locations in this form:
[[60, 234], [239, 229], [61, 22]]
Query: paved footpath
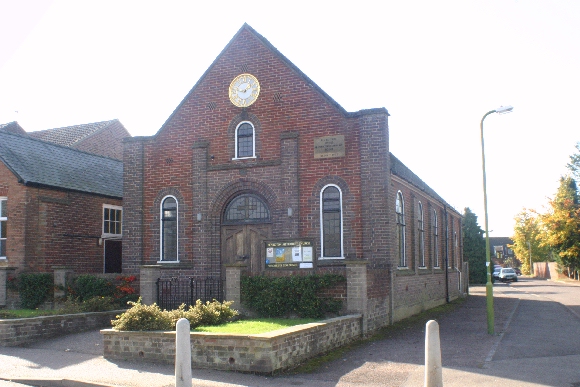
[[537, 343]]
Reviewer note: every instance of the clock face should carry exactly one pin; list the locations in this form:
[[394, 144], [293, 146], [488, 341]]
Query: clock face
[[244, 90]]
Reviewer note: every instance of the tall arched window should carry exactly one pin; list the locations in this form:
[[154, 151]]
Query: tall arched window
[[3, 223], [169, 227], [400, 211], [331, 222], [421, 227], [245, 141], [435, 239]]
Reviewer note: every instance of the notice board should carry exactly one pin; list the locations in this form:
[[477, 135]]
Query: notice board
[[289, 254]]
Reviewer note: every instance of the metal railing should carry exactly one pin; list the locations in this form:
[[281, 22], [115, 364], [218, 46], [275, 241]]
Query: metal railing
[[172, 292]]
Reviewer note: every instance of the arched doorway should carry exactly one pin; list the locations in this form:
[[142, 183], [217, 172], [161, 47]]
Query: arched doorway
[[246, 224]]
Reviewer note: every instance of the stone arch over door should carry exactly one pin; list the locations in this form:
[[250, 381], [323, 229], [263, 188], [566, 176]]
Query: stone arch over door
[[246, 223], [241, 240]]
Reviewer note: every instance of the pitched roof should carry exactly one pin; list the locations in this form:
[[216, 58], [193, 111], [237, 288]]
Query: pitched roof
[[12, 127], [70, 135], [274, 50], [36, 162], [401, 170]]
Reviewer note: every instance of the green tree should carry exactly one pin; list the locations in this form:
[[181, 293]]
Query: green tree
[[574, 164], [527, 237], [562, 225], [474, 247]]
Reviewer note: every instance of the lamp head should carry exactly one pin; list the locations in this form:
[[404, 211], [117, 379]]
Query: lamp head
[[504, 109]]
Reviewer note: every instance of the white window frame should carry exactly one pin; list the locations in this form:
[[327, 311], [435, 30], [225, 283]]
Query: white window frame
[[322, 224], [161, 230], [435, 237], [253, 156], [111, 235], [401, 237], [421, 227], [4, 202]]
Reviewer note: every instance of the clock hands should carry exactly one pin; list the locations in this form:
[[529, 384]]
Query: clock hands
[[246, 89]]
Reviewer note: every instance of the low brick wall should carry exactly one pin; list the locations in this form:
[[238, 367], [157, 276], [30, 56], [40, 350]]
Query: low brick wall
[[26, 330], [261, 353]]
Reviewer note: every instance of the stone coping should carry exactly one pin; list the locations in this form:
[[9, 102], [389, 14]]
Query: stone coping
[[18, 331], [261, 353]]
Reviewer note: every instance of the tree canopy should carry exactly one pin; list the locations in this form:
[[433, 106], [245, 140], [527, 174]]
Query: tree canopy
[[562, 225], [474, 247], [527, 238]]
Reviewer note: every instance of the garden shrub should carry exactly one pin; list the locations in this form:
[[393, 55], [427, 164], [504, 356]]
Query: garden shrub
[[143, 318], [34, 289], [151, 318], [284, 296], [94, 304], [87, 286]]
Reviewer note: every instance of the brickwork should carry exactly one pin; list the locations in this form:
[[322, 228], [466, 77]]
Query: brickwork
[[192, 157], [260, 353], [106, 142], [419, 288], [15, 332], [48, 227]]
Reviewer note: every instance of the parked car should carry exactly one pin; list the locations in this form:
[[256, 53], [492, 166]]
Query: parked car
[[507, 274], [495, 274]]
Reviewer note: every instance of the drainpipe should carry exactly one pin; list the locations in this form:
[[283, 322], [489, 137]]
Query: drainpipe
[[446, 256]]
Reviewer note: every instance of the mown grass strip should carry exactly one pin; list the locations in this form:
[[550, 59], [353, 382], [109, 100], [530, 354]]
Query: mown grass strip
[[254, 326]]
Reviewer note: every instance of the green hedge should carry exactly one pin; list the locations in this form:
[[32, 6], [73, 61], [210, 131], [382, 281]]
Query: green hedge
[[34, 289], [293, 295]]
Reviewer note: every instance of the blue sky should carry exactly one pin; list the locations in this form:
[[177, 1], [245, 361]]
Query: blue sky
[[438, 67]]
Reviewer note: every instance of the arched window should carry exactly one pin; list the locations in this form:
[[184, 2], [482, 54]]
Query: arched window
[[421, 227], [400, 211], [245, 141], [435, 239], [246, 208], [169, 227], [331, 222], [456, 250], [3, 223]]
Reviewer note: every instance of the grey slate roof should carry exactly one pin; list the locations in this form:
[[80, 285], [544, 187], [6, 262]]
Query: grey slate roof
[[12, 127], [36, 162], [401, 170], [70, 135]]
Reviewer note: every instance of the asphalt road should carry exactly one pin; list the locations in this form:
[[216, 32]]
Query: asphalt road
[[537, 343]]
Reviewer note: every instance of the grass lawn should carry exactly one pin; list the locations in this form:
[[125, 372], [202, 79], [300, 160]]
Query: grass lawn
[[254, 326]]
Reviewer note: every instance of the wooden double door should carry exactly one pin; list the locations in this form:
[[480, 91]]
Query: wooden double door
[[244, 243]]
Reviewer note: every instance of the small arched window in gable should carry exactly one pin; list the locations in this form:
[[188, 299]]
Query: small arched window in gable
[[245, 141]]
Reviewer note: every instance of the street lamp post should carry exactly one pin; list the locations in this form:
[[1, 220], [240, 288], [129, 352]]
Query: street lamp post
[[489, 285]]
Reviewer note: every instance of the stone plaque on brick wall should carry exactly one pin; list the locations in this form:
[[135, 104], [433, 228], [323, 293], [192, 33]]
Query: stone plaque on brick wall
[[328, 147]]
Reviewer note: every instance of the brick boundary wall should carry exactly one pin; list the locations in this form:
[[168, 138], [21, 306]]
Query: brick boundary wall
[[261, 353], [20, 331]]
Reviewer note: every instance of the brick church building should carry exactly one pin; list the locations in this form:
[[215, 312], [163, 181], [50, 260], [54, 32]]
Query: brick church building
[[260, 167]]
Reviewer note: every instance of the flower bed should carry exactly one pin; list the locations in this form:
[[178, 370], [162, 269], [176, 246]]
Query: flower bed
[[261, 353]]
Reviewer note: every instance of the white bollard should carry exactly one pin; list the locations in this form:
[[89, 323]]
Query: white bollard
[[433, 369], [182, 354]]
